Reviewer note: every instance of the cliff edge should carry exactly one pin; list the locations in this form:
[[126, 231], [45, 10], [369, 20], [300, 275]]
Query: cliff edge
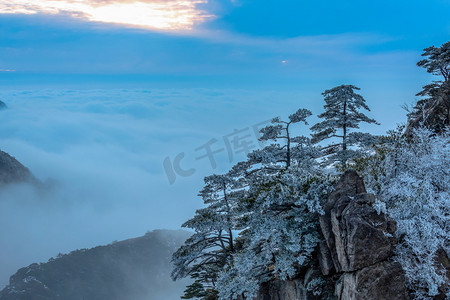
[[354, 260]]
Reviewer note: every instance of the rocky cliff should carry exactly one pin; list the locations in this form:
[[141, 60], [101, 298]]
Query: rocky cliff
[[134, 269], [354, 259]]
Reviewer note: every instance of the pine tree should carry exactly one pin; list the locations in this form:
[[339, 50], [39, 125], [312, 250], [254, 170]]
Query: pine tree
[[283, 188], [342, 113], [280, 131], [272, 201], [205, 253], [433, 110]]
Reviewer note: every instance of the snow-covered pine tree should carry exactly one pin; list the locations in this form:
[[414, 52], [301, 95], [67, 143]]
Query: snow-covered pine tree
[[280, 132], [205, 253], [342, 113], [410, 176], [280, 231], [433, 110]]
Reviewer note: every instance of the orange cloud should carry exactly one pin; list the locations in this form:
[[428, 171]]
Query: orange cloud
[[170, 15]]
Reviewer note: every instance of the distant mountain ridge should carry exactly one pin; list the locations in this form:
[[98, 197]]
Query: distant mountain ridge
[[12, 171], [134, 269], [3, 105]]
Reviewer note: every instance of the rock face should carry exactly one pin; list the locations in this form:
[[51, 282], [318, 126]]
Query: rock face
[[306, 287], [354, 257], [355, 234], [384, 280], [12, 171], [136, 269], [347, 188], [285, 290]]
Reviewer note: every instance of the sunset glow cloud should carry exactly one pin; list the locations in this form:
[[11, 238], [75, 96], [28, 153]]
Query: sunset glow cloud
[[167, 15]]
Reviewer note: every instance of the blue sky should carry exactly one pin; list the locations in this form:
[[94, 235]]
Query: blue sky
[[239, 42], [99, 106]]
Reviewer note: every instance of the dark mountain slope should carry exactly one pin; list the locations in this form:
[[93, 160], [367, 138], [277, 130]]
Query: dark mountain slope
[[134, 269], [12, 171], [3, 105]]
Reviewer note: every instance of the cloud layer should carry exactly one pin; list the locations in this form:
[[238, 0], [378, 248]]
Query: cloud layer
[[105, 149], [168, 15]]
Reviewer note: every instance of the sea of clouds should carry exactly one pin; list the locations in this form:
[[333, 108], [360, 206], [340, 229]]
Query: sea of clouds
[[101, 152]]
